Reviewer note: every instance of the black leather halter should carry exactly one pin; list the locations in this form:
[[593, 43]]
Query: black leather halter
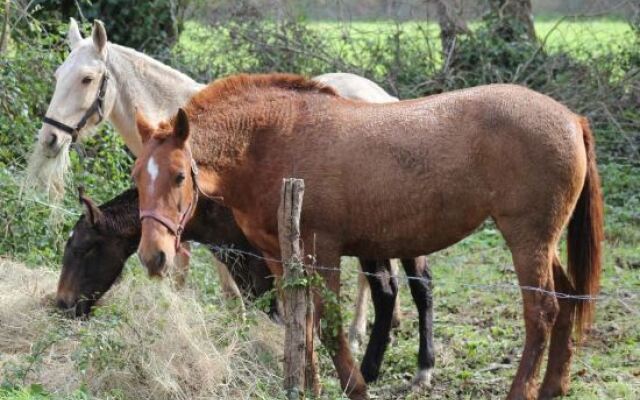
[[96, 107]]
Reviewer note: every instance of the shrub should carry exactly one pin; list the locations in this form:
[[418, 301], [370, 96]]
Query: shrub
[[152, 25]]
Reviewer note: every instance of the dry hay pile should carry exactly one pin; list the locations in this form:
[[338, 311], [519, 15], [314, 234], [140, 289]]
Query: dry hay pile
[[145, 341]]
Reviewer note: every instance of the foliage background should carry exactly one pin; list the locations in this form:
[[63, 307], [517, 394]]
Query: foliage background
[[592, 64]]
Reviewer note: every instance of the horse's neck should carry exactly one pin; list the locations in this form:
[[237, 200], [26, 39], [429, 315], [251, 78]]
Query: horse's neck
[[121, 214], [147, 85], [226, 130]]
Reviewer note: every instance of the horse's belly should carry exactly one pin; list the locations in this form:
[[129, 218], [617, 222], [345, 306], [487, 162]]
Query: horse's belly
[[395, 226], [397, 240]]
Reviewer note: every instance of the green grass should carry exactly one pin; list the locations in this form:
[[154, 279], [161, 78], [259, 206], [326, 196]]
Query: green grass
[[479, 332], [478, 326], [37, 392], [601, 33], [566, 33], [356, 42]]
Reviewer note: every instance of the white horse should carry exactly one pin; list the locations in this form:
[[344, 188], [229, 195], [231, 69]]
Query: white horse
[[101, 81]]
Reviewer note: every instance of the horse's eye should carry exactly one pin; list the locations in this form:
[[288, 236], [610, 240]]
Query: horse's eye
[[179, 178], [86, 80]]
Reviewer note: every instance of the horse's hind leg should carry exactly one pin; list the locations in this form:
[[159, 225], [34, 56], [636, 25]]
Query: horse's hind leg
[[397, 313], [384, 290], [533, 268], [421, 293], [358, 328], [556, 378]]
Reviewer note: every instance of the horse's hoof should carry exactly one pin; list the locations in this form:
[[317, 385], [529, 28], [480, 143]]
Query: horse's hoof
[[550, 394], [553, 388], [276, 318], [395, 320], [360, 395], [422, 378]]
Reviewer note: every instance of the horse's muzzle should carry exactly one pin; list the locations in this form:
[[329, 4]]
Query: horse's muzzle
[[76, 308], [52, 144], [156, 263]]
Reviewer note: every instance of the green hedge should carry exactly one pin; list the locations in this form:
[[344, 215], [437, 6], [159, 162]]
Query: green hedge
[[599, 85]]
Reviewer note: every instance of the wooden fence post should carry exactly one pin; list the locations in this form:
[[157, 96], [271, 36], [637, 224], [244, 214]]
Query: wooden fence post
[[295, 293]]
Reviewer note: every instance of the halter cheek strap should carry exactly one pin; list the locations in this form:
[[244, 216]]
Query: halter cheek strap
[[96, 107], [177, 229]]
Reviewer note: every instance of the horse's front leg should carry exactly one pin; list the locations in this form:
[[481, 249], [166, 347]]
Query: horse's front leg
[[397, 313], [358, 328], [230, 289], [332, 336], [181, 266]]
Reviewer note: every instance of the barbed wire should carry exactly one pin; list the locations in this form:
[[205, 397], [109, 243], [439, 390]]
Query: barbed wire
[[406, 279]]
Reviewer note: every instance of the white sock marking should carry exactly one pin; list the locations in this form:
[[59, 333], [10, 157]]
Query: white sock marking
[[423, 378]]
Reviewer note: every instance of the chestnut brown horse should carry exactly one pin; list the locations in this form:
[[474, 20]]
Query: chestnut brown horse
[[392, 181]]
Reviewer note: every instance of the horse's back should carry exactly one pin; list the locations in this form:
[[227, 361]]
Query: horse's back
[[439, 166]]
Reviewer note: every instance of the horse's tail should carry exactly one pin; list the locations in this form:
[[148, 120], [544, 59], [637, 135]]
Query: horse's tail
[[585, 236]]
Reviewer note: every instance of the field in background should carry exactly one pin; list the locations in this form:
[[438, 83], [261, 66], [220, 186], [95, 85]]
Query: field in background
[[581, 37], [478, 328]]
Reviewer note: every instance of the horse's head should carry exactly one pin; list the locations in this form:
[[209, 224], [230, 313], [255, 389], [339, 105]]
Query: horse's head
[[94, 257], [165, 177], [83, 95]]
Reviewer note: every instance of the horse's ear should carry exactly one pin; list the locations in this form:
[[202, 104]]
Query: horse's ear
[[99, 35], [144, 127], [92, 211], [181, 126], [73, 36]]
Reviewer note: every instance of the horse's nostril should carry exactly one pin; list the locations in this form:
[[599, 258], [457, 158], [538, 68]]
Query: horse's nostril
[[51, 139], [160, 259]]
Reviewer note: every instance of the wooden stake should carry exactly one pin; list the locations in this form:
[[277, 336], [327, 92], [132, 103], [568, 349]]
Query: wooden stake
[[295, 292]]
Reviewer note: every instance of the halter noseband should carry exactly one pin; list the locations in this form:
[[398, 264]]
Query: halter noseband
[[96, 107], [177, 229]]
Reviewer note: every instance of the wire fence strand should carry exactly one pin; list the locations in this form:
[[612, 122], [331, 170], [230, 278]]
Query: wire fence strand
[[619, 295]]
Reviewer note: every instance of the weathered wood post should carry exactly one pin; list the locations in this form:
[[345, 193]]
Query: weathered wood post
[[295, 291]]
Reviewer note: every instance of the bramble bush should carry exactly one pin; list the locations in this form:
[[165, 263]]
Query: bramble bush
[[599, 82], [151, 26]]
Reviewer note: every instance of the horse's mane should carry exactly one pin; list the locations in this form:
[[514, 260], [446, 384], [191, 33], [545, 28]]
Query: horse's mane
[[237, 84], [241, 83], [121, 211]]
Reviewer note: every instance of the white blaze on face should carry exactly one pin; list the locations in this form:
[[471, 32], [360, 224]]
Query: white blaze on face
[[152, 169]]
